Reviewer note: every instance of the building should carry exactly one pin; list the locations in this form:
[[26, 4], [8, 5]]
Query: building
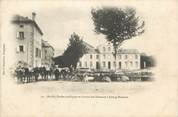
[[47, 54], [90, 59], [102, 58], [28, 40]]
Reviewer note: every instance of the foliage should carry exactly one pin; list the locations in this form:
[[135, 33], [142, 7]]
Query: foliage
[[117, 24], [148, 60], [75, 50]]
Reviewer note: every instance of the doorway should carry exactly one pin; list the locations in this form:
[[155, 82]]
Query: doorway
[[119, 65], [97, 65], [109, 65]]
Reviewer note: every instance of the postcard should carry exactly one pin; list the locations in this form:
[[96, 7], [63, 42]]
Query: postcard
[[92, 58]]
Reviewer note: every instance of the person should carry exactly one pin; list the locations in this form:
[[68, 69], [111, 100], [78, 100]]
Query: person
[[36, 73], [30, 74], [51, 72], [47, 72], [19, 73], [43, 73], [27, 75], [56, 73]]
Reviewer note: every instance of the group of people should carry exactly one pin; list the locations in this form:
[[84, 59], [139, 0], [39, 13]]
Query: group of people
[[28, 74]]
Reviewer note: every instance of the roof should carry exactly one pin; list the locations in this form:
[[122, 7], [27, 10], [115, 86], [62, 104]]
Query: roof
[[120, 51], [88, 45], [46, 44], [91, 49], [20, 19], [104, 44], [128, 51]]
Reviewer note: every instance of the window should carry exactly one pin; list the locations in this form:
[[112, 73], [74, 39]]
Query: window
[[97, 56], [136, 64], [119, 65], [38, 53], [109, 48], [85, 64], [21, 26], [21, 35], [136, 56], [91, 56], [21, 48], [109, 56], [45, 54], [126, 64], [91, 64], [104, 56], [104, 64], [104, 49], [80, 64], [131, 63], [114, 64], [119, 56], [126, 56]]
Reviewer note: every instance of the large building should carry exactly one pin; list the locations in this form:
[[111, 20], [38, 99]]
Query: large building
[[102, 58], [28, 41], [47, 54]]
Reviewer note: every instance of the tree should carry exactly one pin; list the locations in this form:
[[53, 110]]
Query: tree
[[147, 61], [75, 50], [117, 24]]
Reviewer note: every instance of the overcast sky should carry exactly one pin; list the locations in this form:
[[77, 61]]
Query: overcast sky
[[61, 20]]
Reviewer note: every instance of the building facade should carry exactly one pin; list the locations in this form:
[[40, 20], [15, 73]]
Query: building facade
[[102, 58], [28, 41], [47, 54]]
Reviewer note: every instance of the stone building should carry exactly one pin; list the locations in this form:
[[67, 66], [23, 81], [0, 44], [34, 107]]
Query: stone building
[[47, 54], [28, 40], [102, 58]]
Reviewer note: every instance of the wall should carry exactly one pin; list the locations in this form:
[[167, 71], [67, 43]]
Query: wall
[[107, 61], [31, 41], [37, 44], [47, 56]]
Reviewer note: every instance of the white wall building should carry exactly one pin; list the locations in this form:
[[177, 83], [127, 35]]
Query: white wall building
[[102, 58], [28, 40], [47, 54]]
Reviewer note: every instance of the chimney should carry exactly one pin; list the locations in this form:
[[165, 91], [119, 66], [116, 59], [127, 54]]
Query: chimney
[[33, 16]]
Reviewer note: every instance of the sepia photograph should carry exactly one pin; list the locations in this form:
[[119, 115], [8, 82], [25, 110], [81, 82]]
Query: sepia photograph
[[89, 58]]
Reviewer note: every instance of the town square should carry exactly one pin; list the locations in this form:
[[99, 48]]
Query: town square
[[81, 61]]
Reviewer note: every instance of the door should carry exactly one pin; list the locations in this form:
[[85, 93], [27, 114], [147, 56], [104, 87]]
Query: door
[[109, 65], [119, 65], [97, 65]]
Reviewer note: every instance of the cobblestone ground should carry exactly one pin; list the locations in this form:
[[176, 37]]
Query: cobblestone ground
[[31, 100]]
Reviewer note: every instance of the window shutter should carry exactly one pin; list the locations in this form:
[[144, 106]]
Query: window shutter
[[24, 48], [23, 35], [17, 34], [17, 48]]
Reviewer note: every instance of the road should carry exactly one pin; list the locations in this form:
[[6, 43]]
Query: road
[[42, 99]]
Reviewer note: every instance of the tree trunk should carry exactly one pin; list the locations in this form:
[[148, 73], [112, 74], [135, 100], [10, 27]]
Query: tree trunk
[[71, 68], [115, 57]]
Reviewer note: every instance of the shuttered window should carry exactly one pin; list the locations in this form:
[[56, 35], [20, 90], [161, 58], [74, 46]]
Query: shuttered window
[[20, 35], [21, 48]]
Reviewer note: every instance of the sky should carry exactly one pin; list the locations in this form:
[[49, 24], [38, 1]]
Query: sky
[[61, 20]]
